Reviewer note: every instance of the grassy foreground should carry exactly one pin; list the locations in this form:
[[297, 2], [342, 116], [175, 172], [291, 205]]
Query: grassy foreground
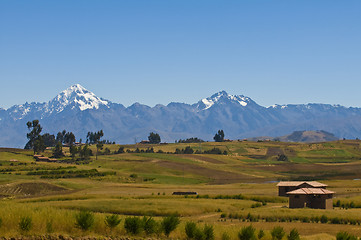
[[235, 190]]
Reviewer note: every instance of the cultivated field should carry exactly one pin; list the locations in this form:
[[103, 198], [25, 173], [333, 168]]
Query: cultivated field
[[234, 190]]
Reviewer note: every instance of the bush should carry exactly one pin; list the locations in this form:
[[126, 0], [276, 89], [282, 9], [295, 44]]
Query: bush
[[149, 225], [261, 234], [277, 233], [324, 219], [112, 221], [84, 220], [25, 223], [208, 232], [132, 225], [225, 236], [247, 233], [294, 235], [199, 234], [345, 236], [190, 229], [169, 224], [49, 226]]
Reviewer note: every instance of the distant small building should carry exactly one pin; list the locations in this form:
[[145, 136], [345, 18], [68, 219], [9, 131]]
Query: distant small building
[[144, 142], [184, 193], [317, 198], [285, 187]]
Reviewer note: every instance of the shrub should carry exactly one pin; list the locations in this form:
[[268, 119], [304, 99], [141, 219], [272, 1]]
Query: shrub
[[132, 225], [49, 226], [335, 220], [169, 224], [277, 233], [261, 234], [25, 223], [294, 235], [149, 225], [84, 220], [199, 234], [208, 232], [247, 233], [190, 229], [225, 236], [345, 236], [112, 221], [324, 219]]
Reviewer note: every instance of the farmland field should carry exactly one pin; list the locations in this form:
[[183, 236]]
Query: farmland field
[[235, 189]]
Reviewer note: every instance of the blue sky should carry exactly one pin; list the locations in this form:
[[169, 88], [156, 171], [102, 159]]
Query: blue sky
[[275, 52]]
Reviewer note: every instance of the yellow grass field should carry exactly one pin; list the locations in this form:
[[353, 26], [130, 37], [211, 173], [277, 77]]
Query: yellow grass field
[[141, 184]]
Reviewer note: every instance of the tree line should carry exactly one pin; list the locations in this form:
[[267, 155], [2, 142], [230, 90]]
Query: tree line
[[39, 142]]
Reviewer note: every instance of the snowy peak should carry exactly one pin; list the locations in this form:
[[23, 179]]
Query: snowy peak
[[76, 96], [223, 97]]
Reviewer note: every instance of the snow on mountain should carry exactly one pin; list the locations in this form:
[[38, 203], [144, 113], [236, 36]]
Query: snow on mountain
[[238, 115], [222, 96], [76, 96]]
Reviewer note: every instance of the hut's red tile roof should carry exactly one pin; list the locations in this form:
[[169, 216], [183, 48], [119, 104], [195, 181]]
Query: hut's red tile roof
[[311, 191], [298, 183]]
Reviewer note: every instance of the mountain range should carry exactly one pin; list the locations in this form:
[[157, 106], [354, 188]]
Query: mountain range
[[79, 110]]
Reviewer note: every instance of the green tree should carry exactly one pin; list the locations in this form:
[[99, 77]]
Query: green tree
[[112, 221], [149, 225], [294, 235], [247, 233], [188, 150], [219, 137], [169, 224], [282, 158], [94, 137], [277, 233], [36, 141], [84, 220], [121, 150], [73, 151], [58, 150], [99, 147], [190, 229], [208, 232], [60, 136], [345, 236], [132, 225], [154, 138], [85, 152], [69, 138], [49, 140]]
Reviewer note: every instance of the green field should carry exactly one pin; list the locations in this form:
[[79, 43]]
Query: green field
[[234, 190]]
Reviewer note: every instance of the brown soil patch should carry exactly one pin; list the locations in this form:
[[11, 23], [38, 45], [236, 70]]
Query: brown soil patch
[[215, 176], [30, 189], [274, 151]]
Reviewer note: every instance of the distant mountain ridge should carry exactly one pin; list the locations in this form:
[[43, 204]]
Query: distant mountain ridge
[[79, 110]]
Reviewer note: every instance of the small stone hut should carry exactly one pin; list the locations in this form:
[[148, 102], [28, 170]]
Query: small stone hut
[[317, 198], [285, 187]]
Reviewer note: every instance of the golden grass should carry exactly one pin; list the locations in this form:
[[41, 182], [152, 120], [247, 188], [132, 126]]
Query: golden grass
[[128, 195]]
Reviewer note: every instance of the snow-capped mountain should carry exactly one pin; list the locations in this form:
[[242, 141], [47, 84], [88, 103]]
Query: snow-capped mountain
[[80, 111], [76, 96], [223, 98]]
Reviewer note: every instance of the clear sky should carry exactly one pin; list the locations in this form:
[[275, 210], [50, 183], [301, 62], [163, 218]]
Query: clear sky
[[151, 51]]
